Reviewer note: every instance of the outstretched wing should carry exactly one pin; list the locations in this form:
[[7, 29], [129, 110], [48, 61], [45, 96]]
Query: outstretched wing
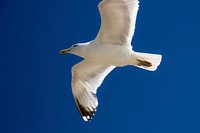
[[118, 19], [87, 76]]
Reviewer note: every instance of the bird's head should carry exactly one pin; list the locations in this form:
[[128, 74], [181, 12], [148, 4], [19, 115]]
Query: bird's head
[[78, 49], [73, 49]]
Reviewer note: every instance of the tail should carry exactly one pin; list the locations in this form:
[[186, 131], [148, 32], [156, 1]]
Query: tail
[[148, 61]]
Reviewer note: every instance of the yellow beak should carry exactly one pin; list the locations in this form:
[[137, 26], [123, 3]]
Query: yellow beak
[[65, 51]]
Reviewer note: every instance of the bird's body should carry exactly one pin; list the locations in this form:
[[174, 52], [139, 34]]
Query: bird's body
[[111, 48], [97, 51]]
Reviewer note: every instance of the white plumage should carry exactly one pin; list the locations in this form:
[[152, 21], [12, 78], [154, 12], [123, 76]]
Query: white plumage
[[118, 21], [111, 48]]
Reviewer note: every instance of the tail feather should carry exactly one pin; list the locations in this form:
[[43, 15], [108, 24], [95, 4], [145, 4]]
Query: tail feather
[[148, 61]]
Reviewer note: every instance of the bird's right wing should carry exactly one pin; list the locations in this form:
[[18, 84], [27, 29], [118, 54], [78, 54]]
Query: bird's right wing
[[87, 76], [118, 19]]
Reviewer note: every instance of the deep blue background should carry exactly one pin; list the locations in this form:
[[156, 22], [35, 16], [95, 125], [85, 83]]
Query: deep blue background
[[35, 80]]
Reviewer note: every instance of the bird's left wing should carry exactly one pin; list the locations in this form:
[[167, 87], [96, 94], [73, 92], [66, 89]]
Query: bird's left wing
[[87, 76], [118, 19]]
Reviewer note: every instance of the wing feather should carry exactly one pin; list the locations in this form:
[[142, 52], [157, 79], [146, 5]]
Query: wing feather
[[118, 18], [87, 76]]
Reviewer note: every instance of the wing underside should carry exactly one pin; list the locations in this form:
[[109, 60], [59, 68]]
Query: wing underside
[[87, 76], [118, 18]]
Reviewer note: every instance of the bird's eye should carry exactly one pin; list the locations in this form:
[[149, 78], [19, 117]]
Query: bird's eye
[[74, 46]]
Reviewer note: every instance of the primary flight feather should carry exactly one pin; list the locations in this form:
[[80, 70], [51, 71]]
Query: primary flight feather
[[111, 48]]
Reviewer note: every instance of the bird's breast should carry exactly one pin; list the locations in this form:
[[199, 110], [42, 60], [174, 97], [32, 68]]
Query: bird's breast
[[111, 54]]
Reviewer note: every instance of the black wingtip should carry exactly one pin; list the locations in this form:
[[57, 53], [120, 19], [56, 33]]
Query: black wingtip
[[86, 113]]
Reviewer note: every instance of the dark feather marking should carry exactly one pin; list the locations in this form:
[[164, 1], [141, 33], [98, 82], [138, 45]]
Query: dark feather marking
[[84, 111], [144, 63]]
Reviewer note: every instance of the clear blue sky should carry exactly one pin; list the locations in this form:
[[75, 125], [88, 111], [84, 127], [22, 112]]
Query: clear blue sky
[[35, 88]]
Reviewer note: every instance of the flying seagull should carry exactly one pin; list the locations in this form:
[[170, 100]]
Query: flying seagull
[[111, 48]]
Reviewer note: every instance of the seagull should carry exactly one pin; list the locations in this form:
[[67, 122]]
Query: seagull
[[110, 49]]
